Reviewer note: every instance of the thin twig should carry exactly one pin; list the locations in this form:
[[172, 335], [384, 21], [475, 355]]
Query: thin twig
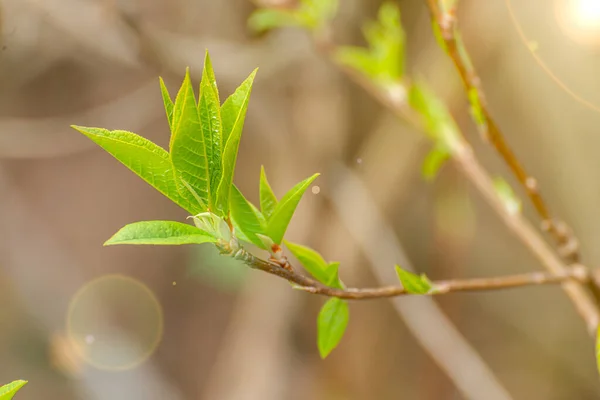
[[309, 285], [445, 18], [462, 155]]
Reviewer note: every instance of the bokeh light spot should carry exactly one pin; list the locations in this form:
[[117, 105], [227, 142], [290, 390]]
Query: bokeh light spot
[[115, 322]]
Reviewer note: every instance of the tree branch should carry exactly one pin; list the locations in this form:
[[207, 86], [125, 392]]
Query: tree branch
[[462, 155], [575, 274], [444, 18]]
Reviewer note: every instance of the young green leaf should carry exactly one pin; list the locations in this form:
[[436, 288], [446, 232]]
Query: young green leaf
[[160, 233], [9, 390], [413, 283], [434, 161], [383, 61], [146, 159], [167, 101], [476, 109], [359, 59], [314, 263], [210, 75], [331, 325], [268, 201], [314, 14], [188, 147], [265, 19], [233, 114], [248, 220], [285, 209], [324, 10], [310, 14], [439, 123], [508, 197], [209, 110]]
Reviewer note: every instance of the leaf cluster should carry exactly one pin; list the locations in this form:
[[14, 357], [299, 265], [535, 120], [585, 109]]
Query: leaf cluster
[[8, 391]]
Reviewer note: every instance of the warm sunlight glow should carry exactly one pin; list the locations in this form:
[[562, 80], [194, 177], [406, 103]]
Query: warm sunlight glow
[[580, 19], [586, 13]]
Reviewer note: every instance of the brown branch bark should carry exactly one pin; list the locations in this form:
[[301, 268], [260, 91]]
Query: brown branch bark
[[445, 19], [283, 270]]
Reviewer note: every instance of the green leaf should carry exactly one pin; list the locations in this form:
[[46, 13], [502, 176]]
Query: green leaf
[[209, 110], [439, 123], [476, 110], [247, 218], [358, 58], [434, 161], [188, 147], [268, 201], [310, 14], [314, 263], [146, 159], [508, 197], [331, 325], [315, 14], [437, 34], [413, 283], [383, 61], [160, 233], [270, 18], [285, 209], [167, 101], [233, 114], [324, 9], [9, 390]]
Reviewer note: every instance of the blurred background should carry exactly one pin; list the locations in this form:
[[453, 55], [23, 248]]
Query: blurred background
[[80, 321]]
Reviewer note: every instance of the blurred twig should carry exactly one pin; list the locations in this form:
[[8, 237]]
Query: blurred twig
[[444, 18], [462, 155]]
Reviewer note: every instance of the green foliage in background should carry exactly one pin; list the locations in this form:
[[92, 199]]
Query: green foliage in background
[[8, 391], [310, 14], [383, 60]]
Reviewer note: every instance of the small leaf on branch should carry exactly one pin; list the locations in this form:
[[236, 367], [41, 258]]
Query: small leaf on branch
[[188, 147], [8, 391], [233, 114], [268, 201], [413, 283], [247, 218], [285, 209], [313, 262], [331, 325], [168, 103], [209, 111], [160, 233]]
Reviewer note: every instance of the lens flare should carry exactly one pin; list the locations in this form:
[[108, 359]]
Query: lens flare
[[115, 323]]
